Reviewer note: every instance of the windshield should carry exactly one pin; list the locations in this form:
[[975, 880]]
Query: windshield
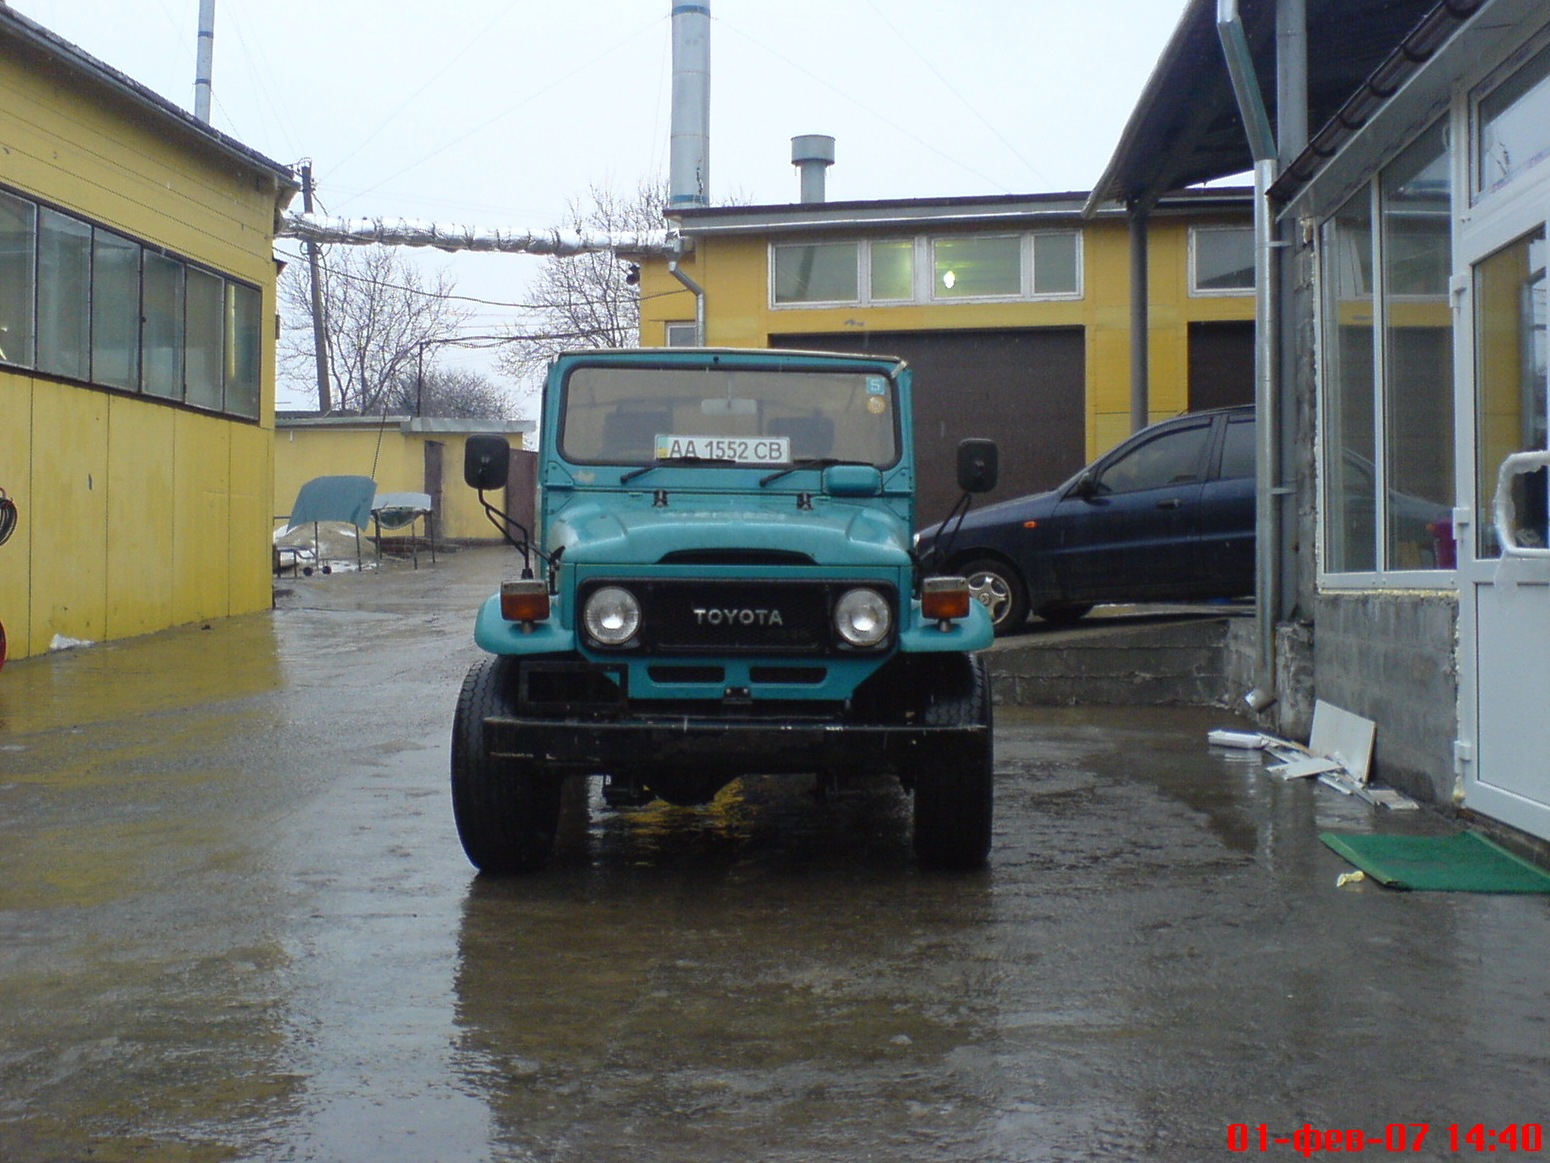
[[640, 415]]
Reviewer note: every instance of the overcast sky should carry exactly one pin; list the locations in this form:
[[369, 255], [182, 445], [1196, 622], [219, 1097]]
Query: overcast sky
[[501, 112]]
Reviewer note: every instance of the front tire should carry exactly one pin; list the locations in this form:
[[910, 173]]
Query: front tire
[[1064, 613], [507, 810], [997, 587], [954, 781]]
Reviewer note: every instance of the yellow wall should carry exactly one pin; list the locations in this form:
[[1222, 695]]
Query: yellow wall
[[134, 515], [396, 462], [734, 273]]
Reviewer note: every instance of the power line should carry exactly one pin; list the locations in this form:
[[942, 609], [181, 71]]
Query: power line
[[861, 105], [528, 100], [951, 88]]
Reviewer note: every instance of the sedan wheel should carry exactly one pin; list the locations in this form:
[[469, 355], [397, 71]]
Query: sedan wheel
[[997, 587]]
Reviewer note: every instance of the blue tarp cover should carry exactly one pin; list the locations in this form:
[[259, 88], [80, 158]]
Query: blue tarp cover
[[334, 499]]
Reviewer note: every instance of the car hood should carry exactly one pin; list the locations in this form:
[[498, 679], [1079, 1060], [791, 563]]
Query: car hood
[[1029, 508], [832, 533]]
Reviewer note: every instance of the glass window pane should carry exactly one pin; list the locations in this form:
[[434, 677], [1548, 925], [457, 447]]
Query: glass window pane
[[1054, 264], [64, 294], [970, 267], [1224, 259], [1515, 125], [1239, 452], [115, 316], [816, 273], [679, 334], [1350, 449], [202, 353], [18, 242], [1416, 200], [163, 333], [1175, 457], [893, 270], [1510, 368], [243, 330]]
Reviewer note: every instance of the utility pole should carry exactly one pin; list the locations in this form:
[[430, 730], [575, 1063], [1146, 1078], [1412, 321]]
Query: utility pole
[[319, 331]]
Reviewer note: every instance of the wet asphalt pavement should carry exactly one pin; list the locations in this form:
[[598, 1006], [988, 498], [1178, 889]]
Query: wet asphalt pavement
[[235, 923]]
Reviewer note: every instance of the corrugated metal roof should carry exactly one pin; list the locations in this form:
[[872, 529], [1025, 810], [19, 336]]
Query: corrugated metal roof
[[1186, 129]]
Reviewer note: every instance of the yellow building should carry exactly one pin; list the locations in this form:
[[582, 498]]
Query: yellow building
[[137, 300], [403, 454], [1013, 311]]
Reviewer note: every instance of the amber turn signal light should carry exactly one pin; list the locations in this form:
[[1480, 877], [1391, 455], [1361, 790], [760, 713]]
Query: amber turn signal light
[[944, 599], [525, 601]]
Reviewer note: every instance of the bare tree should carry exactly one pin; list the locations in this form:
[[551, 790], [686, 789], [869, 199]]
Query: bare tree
[[588, 300], [384, 322], [451, 393]]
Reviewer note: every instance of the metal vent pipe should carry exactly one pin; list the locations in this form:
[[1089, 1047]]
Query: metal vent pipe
[[206, 60], [688, 182], [812, 154]]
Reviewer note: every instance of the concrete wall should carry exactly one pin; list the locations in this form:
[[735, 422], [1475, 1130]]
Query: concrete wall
[[734, 273], [1390, 658], [135, 515], [395, 459]]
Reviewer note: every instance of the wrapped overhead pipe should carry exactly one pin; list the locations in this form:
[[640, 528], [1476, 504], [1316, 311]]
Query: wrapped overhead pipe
[[456, 237]]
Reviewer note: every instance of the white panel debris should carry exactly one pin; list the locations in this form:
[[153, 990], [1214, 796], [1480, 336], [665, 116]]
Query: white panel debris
[[454, 237], [1339, 754]]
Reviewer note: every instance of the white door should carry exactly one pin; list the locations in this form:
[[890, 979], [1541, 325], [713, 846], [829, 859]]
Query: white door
[[1504, 541]]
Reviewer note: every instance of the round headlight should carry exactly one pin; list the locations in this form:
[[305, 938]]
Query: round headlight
[[863, 617], [612, 616]]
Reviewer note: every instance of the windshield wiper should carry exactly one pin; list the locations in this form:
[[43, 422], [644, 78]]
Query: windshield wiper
[[677, 462], [809, 462]]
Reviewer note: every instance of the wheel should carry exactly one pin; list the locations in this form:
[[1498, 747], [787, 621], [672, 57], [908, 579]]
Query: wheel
[[954, 782], [507, 810], [1064, 613], [996, 586]]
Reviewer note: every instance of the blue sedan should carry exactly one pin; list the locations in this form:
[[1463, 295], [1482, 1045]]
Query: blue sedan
[[1168, 515]]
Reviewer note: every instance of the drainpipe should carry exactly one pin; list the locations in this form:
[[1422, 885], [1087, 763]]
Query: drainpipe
[[1140, 323], [699, 301], [1267, 540]]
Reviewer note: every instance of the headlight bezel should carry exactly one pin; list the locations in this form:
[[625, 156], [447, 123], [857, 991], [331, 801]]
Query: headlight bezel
[[623, 604], [863, 618]]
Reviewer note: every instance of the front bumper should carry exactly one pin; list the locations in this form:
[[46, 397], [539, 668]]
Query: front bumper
[[723, 744]]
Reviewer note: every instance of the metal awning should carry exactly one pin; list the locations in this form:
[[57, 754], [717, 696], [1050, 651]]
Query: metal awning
[[1186, 128]]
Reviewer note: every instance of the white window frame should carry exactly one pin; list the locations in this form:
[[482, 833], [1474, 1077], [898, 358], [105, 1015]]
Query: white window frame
[[1384, 578], [1196, 291], [677, 327], [923, 291]]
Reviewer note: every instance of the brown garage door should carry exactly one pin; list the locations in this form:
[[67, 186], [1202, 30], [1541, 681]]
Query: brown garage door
[[1025, 389], [1221, 364]]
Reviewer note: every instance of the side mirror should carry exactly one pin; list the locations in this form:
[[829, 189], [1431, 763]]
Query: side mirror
[[1086, 485], [978, 465], [486, 461]]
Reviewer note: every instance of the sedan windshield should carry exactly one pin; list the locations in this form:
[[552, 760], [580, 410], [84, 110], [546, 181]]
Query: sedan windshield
[[716, 416]]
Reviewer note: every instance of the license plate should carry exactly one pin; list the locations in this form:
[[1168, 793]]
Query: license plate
[[738, 449]]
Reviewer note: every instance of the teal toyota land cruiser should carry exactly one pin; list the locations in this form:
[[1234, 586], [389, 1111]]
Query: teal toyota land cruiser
[[722, 584]]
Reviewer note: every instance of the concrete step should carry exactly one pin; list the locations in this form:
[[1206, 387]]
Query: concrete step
[[1119, 656]]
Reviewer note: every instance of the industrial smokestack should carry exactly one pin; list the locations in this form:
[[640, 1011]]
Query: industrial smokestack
[[812, 154], [689, 156], [206, 60]]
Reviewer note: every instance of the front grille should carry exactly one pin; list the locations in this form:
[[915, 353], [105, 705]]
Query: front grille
[[723, 616]]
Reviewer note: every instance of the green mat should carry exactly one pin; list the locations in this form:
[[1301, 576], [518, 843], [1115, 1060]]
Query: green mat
[[1464, 862]]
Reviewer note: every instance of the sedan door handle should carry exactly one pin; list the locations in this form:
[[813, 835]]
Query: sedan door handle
[[1171, 503]]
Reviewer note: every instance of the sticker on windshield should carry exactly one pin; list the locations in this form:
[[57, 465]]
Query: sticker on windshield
[[876, 405], [876, 386], [738, 449]]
